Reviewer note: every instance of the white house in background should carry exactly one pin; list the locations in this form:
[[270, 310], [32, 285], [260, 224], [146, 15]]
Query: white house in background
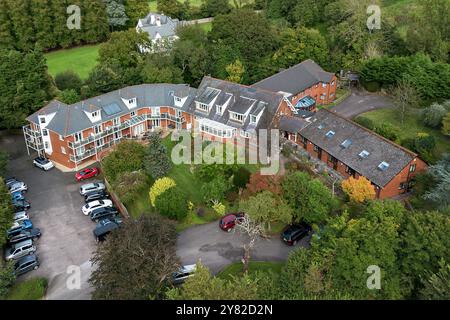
[[159, 28]]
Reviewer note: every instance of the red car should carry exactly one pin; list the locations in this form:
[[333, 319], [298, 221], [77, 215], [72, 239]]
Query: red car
[[228, 222], [86, 174]]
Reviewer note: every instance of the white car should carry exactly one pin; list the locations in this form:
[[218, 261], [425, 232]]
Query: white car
[[18, 186], [43, 163], [89, 187], [183, 274], [87, 209], [20, 216]]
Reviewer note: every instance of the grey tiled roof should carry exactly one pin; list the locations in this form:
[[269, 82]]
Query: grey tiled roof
[[292, 124], [379, 148], [70, 119], [242, 99], [166, 29], [296, 79]]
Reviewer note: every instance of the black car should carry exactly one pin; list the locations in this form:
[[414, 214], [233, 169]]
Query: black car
[[101, 213], [95, 195], [104, 227], [21, 205], [32, 234], [295, 232], [25, 264]]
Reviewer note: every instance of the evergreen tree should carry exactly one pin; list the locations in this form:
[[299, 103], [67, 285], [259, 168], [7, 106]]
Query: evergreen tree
[[43, 23], [20, 14], [135, 10], [61, 33], [95, 21], [6, 29]]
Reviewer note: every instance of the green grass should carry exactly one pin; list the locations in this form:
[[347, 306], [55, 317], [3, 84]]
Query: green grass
[[81, 60], [32, 289], [235, 269], [207, 27], [411, 126]]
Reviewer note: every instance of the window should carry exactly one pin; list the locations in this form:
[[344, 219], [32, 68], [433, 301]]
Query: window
[[156, 111], [202, 106], [77, 137], [44, 132], [323, 97], [320, 127], [219, 109], [177, 99], [132, 114], [132, 101], [42, 120], [98, 129], [412, 168], [363, 154], [317, 85], [332, 83], [324, 85], [330, 134], [316, 148], [346, 143], [100, 142], [245, 134], [46, 145], [383, 166], [63, 150], [237, 116], [350, 171], [61, 138], [402, 186], [253, 119], [116, 121], [94, 114]]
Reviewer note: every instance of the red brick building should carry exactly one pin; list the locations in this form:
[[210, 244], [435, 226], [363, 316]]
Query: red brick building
[[353, 150]]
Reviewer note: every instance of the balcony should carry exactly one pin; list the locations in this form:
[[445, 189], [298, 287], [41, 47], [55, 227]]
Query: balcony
[[167, 116], [33, 139], [80, 157]]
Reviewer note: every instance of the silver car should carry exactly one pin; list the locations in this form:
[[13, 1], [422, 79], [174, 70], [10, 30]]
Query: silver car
[[19, 250], [89, 187], [20, 216]]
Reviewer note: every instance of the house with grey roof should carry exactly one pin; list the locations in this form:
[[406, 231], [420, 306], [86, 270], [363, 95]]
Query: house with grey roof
[[305, 85], [355, 151], [159, 27]]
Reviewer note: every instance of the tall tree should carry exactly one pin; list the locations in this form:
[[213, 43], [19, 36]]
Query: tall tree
[[6, 211], [136, 261], [135, 10], [7, 39], [63, 36], [115, 10], [235, 71], [20, 14], [95, 21], [156, 162], [43, 23], [405, 97]]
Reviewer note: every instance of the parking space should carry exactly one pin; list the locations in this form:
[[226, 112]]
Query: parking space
[[67, 238]]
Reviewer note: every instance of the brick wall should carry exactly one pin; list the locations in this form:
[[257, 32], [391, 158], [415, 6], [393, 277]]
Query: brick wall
[[317, 90]]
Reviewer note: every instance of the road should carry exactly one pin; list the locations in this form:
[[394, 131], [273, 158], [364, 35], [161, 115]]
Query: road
[[360, 102], [216, 249], [67, 238]]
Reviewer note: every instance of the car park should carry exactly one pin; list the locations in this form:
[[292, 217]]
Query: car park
[[26, 264], [87, 174], [101, 213], [17, 186], [228, 222], [183, 274], [21, 205], [90, 187], [103, 228], [95, 195], [117, 220], [20, 249], [43, 163], [295, 232], [20, 216], [89, 207], [18, 227], [31, 234]]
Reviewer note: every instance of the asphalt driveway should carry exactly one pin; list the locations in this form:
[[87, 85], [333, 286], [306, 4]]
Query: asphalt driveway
[[361, 101], [216, 249], [67, 238]]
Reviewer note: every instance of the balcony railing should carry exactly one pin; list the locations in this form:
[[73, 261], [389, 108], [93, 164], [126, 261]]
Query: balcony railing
[[80, 157], [33, 138]]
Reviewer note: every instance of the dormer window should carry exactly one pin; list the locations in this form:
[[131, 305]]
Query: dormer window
[[132, 114], [132, 101], [177, 99], [202, 106], [219, 109], [253, 119], [42, 120], [237, 116], [383, 166]]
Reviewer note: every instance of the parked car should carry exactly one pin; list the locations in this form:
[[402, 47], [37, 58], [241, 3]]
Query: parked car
[[185, 272], [12, 180], [295, 232], [228, 222], [87, 174], [20, 249], [87, 208], [17, 187], [95, 195], [20, 216], [21, 205], [26, 264], [117, 220], [18, 195], [18, 227], [101, 213], [43, 163], [31, 234], [105, 227], [89, 187]]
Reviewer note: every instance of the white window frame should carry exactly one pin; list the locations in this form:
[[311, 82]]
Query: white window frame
[[116, 121], [132, 114], [156, 111], [78, 136], [253, 119], [237, 117], [202, 106], [63, 150], [45, 132], [219, 109], [98, 129]]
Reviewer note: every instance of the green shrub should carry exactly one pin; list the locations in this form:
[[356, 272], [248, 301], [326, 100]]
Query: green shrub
[[433, 115], [241, 177], [372, 86], [172, 204], [388, 131], [365, 122], [32, 289]]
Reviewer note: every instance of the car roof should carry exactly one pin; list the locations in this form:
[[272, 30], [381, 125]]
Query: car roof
[[188, 268], [23, 243], [105, 228], [27, 258]]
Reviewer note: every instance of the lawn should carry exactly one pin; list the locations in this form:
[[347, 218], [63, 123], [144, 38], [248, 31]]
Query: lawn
[[32, 289], [411, 126], [81, 60], [235, 269]]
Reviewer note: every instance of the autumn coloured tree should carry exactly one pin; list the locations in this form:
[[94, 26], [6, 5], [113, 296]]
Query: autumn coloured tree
[[358, 190], [259, 183]]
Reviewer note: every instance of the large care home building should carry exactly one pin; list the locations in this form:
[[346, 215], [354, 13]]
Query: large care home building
[[71, 135], [305, 85], [353, 150]]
